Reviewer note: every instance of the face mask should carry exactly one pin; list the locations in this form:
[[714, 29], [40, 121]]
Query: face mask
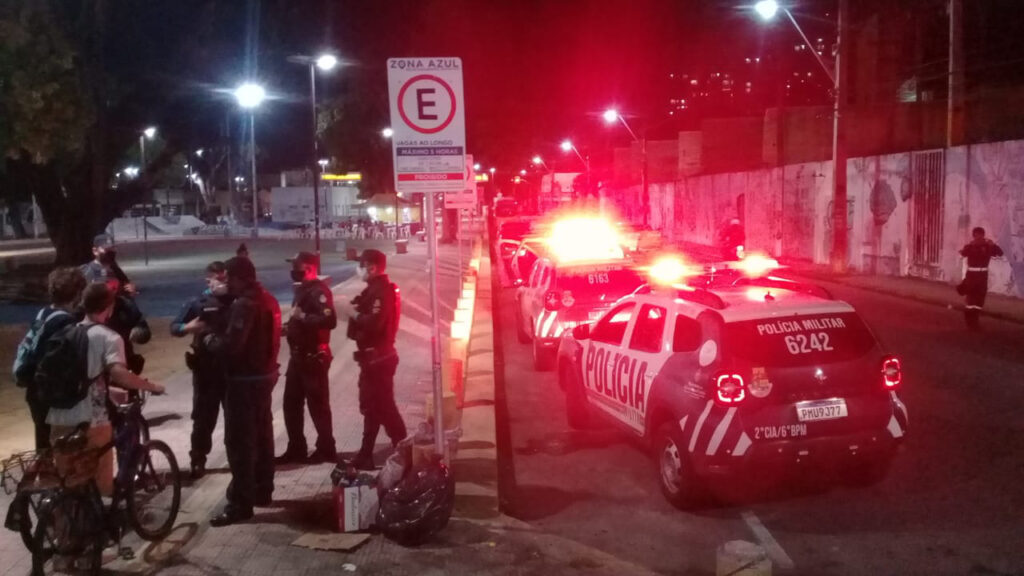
[[298, 275], [364, 274]]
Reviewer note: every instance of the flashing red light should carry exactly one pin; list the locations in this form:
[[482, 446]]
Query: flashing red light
[[730, 389], [668, 271], [757, 265], [892, 372], [584, 238]]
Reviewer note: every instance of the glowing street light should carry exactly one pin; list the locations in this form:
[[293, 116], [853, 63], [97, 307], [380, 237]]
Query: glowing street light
[[537, 160], [610, 115], [491, 170], [522, 172], [149, 132], [250, 96], [567, 146], [387, 132], [766, 9], [327, 62], [476, 167]]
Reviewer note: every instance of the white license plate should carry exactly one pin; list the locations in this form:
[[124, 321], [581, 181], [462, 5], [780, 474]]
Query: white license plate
[[815, 410]]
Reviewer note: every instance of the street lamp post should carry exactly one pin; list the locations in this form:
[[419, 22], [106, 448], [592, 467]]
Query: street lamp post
[[149, 133], [249, 97], [610, 117], [767, 9], [568, 146]]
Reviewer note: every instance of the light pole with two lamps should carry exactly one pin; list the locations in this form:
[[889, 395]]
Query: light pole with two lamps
[[767, 9], [325, 62], [249, 97]]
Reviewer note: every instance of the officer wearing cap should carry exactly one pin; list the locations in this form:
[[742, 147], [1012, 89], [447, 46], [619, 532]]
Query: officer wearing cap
[[373, 324], [309, 339], [126, 319], [203, 314], [248, 346], [974, 287]]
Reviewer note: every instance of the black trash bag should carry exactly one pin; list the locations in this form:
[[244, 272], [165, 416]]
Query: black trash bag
[[419, 506]]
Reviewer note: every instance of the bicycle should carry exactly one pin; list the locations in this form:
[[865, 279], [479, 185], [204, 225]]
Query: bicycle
[[72, 521]]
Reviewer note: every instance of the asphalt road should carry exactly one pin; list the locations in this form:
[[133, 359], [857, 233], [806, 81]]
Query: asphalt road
[[176, 271], [950, 505]]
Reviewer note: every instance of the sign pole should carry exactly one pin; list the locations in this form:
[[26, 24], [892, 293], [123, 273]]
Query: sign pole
[[458, 237], [435, 329]]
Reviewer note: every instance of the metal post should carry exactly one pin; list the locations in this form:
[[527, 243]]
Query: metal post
[[231, 175], [435, 333], [316, 163], [145, 210], [35, 217], [954, 111], [458, 237], [255, 185], [840, 246], [644, 190]]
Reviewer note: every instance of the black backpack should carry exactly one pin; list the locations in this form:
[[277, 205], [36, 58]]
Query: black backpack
[[47, 322], [62, 375]]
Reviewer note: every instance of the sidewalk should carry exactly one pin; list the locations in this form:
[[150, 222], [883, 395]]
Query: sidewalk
[[917, 289], [478, 540]]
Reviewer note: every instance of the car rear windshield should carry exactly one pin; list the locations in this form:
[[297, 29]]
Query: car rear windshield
[[605, 283], [514, 230], [800, 340]]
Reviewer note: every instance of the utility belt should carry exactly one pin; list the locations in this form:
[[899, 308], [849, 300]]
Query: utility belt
[[374, 355], [969, 269], [199, 359], [318, 355]]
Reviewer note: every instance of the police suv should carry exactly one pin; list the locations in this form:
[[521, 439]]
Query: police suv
[[733, 371]]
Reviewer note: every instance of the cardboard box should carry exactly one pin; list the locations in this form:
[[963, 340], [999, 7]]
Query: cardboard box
[[449, 410], [355, 507]]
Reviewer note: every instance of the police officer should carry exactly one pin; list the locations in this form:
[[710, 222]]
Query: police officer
[[203, 314], [732, 239], [373, 324], [126, 319], [248, 347], [978, 252], [309, 338]]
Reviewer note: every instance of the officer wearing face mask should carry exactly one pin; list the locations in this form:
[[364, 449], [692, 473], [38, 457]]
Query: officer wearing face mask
[[373, 324], [309, 339], [204, 314]]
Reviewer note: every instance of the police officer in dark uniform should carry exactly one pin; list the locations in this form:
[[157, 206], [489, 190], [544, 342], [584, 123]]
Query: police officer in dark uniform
[[309, 339], [204, 314], [248, 347], [974, 286], [373, 324]]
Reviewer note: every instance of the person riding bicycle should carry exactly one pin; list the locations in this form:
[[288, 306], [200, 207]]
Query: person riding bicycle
[[107, 366]]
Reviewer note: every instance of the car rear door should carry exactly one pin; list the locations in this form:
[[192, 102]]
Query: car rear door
[[603, 351]]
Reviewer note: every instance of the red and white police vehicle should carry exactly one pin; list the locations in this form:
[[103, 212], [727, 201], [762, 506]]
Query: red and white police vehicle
[[581, 274], [733, 370]]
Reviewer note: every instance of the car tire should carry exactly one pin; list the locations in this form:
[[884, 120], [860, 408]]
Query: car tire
[[543, 359], [679, 482], [577, 412]]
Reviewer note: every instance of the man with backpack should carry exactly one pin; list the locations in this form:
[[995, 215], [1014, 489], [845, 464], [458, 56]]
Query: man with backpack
[[79, 363], [65, 287]]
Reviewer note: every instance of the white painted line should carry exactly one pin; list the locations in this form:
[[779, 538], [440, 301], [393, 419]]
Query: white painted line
[[771, 546]]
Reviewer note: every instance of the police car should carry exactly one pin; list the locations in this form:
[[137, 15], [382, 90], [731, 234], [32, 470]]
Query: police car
[[734, 370], [581, 274]]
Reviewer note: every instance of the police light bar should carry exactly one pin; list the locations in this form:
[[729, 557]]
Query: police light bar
[[584, 238], [668, 271], [756, 265]]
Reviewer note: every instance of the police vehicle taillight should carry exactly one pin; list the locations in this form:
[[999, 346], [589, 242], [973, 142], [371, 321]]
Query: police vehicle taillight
[[729, 388], [892, 372]]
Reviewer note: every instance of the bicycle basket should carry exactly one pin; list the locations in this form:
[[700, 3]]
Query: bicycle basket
[[30, 470]]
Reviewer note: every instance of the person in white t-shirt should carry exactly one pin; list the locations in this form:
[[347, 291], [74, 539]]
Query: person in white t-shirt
[[106, 366]]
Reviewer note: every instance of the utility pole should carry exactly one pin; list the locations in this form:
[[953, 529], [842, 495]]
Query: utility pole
[[840, 236], [955, 104]]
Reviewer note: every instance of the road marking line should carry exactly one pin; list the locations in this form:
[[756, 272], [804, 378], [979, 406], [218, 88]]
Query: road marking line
[[771, 546]]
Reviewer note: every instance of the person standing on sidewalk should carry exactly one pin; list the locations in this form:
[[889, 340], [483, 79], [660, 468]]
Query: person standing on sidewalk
[[204, 314], [248, 348], [373, 324], [309, 338], [65, 286], [978, 252]]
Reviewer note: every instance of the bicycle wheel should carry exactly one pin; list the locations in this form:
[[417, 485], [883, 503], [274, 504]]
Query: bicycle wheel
[[154, 491], [68, 536]]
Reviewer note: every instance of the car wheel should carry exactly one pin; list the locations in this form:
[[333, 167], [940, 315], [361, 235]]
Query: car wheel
[[679, 482], [577, 412], [543, 358], [521, 335]]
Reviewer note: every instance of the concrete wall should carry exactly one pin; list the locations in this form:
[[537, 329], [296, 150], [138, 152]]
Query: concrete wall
[[787, 211]]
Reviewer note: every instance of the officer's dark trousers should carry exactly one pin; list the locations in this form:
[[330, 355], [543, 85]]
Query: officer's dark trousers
[[249, 440], [974, 288], [38, 410], [208, 384], [377, 403], [306, 383]]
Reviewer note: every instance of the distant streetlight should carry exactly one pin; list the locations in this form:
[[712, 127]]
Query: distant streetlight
[[147, 134], [325, 62], [767, 9], [522, 172], [199, 152], [567, 146], [249, 97], [323, 162], [387, 132], [491, 170], [612, 115], [476, 167]]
